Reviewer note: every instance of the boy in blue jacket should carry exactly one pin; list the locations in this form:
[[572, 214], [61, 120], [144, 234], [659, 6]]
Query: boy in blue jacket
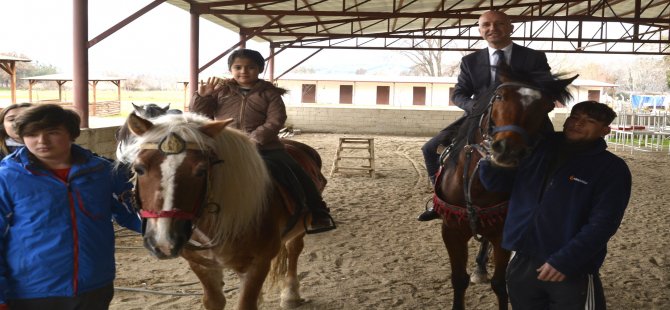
[[567, 200], [57, 201]]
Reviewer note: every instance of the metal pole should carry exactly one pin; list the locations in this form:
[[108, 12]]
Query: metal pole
[[80, 64], [193, 64]]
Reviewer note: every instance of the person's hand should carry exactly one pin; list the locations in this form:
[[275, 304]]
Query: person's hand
[[549, 273], [209, 88]]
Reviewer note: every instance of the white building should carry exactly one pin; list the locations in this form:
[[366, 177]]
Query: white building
[[395, 91]]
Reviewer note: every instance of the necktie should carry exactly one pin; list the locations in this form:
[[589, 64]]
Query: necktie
[[501, 60]]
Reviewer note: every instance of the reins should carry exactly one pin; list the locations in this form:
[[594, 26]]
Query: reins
[[483, 147]]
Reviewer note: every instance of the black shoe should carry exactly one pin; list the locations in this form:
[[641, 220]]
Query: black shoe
[[428, 215], [321, 222]]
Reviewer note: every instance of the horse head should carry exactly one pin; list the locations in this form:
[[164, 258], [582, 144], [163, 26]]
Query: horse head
[[150, 110], [172, 169], [518, 111]]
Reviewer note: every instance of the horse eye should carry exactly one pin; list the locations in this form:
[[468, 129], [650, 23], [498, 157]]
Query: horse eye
[[200, 170], [139, 169]]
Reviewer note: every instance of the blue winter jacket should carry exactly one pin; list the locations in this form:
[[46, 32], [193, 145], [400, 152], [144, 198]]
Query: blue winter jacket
[[57, 238], [568, 218]]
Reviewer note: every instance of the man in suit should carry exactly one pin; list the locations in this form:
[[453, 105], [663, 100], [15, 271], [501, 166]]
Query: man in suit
[[478, 74]]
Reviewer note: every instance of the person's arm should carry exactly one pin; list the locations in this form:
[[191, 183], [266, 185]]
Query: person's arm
[[496, 179], [5, 223], [609, 203], [204, 100], [464, 89], [122, 211], [274, 121], [542, 65]]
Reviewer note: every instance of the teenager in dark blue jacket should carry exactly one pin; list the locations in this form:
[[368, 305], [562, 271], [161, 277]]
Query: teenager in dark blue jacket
[[567, 199], [57, 202]]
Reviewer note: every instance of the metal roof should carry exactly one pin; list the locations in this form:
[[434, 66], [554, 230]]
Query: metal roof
[[564, 26]]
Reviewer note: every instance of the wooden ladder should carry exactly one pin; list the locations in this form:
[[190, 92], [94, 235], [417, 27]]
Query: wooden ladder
[[354, 157]]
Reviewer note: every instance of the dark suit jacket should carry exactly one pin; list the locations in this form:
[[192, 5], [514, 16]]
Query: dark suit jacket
[[475, 76]]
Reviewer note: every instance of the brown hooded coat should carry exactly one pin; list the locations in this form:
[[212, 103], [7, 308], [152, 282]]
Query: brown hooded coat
[[260, 113]]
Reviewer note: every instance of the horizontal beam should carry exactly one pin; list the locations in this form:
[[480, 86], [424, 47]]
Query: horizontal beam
[[666, 52], [663, 19]]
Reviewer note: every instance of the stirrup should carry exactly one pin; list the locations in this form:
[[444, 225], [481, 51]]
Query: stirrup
[[319, 230]]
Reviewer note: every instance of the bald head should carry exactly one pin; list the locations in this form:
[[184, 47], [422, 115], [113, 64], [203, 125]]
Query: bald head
[[496, 28]]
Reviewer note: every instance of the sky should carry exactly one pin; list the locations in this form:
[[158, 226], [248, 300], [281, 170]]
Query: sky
[[157, 43]]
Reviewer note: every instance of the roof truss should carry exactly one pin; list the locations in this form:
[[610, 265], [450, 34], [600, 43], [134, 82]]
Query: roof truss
[[566, 26]]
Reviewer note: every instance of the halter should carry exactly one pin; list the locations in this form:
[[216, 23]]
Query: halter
[[492, 129], [173, 144], [483, 150]]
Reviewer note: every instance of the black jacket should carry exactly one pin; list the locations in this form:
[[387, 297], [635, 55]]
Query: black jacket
[[475, 76]]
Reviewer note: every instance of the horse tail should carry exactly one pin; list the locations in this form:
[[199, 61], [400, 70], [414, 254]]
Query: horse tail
[[279, 267]]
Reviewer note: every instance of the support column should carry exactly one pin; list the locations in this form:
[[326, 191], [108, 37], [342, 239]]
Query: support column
[[243, 39], [194, 54], [12, 74], [80, 64], [271, 64]]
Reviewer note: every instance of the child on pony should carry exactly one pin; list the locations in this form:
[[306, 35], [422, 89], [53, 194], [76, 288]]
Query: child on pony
[[257, 108]]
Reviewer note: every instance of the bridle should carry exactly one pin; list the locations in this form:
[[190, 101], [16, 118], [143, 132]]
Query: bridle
[[173, 144], [492, 128], [487, 129]]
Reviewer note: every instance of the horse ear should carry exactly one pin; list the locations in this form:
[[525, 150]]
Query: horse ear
[[137, 108], [213, 128], [137, 125]]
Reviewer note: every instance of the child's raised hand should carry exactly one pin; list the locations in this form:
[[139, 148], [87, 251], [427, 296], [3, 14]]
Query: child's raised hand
[[209, 88]]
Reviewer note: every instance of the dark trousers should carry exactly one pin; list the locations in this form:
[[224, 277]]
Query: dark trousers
[[98, 299], [527, 292], [429, 149], [285, 170]]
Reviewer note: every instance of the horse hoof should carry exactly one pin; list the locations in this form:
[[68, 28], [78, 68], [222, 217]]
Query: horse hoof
[[479, 278], [292, 303]]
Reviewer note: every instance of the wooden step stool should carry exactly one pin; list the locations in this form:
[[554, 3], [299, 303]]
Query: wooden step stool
[[355, 155]]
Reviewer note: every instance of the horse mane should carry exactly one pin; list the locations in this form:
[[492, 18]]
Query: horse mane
[[240, 185], [553, 86]]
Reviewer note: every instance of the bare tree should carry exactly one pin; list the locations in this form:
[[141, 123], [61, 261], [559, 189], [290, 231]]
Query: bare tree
[[431, 61], [646, 74], [26, 69]]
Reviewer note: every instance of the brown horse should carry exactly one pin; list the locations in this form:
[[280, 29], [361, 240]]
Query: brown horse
[[205, 194], [506, 122]]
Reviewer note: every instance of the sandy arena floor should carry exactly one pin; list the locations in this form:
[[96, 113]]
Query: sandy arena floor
[[380, 257]]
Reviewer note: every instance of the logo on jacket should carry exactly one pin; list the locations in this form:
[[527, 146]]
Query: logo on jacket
[[573, 178]]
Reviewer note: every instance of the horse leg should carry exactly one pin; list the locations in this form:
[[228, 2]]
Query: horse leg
[[212, 284], [480, 275], [498, 282], [251, 282], [290, 295], [457, 247]]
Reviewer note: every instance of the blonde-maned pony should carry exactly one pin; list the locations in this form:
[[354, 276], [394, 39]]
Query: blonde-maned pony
[[239, 223]]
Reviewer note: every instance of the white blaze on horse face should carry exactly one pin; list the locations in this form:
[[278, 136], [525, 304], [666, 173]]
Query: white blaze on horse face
[[528, 95], [168, 185]]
